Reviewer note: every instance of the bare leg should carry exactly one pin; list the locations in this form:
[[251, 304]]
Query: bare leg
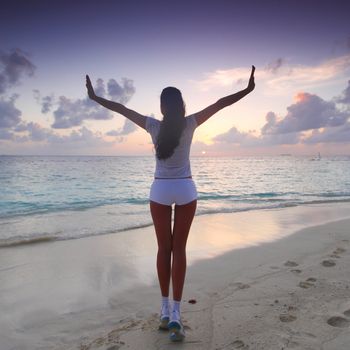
[[161, 215], [182, 223]]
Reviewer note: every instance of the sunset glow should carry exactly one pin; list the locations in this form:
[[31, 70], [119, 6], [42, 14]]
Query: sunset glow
[[301, 101]]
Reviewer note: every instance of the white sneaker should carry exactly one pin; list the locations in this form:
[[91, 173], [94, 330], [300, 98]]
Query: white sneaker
[[177, 331], [164, 322]]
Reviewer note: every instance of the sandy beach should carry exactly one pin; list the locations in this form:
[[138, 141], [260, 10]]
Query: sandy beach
[[267, 279]]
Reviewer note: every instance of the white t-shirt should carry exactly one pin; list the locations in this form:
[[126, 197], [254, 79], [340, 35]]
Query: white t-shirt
[[178, 165]]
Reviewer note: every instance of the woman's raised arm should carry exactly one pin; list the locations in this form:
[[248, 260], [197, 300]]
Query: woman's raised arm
[[206, 113], [135, 117]]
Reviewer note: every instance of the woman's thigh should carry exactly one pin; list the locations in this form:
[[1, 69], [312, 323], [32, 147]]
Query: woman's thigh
[[182, 223], [161, 215]]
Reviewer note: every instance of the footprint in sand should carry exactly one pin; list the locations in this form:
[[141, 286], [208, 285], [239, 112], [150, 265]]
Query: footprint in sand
[[290, 263], [311, 279], [238, 344], [328, 263], [240, 285], [337, 321], [336, 253], [339, 250], [308, 283], [287, 318], [347, 313], [305, 285], [296, 271], [114, 347]]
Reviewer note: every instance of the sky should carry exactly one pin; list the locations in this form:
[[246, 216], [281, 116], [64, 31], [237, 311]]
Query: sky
[[133, 49]]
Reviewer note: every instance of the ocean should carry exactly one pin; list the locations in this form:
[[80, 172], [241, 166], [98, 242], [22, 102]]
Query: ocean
[[45, 198]]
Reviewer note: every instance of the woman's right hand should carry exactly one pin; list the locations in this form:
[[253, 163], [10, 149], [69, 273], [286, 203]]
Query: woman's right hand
[[90, 89], [251, 84]]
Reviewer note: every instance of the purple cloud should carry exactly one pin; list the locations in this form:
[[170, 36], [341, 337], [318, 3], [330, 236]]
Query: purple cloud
[[127, 128], [234, 136], [46, 102], [99, 88], [9, 114], [37, 133], [6, 135], [121, 94], [248, 139], [335, 135], [275, 65], [345, 97], [13, 66], [72, 112], [271, 120], [20, 127], [309, 112], [80, 138]]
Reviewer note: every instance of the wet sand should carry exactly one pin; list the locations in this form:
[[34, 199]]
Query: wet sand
[[268, 279]]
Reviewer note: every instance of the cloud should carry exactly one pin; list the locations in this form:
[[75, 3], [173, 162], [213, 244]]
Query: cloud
[[46, 102], [99, 88], [127, 128], [9, 114], [345, 97], [13, 65], [249, 139], [38, 133], [326, 122], [223, 78], [67, 112], [271, 121], [279, 76], [6, 135], [82, 137], [20, 127], [72, 112], [31, 131], [274, 66], [233, 136], [303, 76], [335, 135], [119, 93], [309, 112]]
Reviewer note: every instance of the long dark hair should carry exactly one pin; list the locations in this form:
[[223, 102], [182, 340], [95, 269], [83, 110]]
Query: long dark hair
[[173, 123]]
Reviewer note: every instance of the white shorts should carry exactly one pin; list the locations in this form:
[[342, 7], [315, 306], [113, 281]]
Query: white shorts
[[170, 191]]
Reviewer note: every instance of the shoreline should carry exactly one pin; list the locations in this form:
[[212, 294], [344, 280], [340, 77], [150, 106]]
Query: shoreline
[[46, 237], [81, 294]]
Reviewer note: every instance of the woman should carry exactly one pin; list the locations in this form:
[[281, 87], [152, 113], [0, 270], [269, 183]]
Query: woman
[[172, 184]]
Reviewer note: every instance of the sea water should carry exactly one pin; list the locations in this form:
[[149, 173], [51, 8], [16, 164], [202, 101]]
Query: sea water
[[60, 197]]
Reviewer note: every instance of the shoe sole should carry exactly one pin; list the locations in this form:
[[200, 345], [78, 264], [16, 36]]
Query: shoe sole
[[176, 332]]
